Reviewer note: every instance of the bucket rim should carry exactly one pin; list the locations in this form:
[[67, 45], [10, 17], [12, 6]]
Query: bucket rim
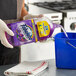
[[55, 37]]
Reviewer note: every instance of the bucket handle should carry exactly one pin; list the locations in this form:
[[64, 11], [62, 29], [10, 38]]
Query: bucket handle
[[71, 44], [53, 39]]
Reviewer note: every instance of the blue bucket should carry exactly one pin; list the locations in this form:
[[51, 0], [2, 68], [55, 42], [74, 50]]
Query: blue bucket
[[65, 51]]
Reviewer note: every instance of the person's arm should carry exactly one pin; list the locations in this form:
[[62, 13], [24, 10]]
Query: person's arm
[[24, 11], [25, 15]]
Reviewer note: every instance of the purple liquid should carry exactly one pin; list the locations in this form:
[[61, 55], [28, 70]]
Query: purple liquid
[[57, 25]]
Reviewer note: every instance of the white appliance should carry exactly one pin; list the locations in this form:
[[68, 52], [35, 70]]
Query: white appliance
[[70, 20], [41, 50], [54, 16], [67, 8]]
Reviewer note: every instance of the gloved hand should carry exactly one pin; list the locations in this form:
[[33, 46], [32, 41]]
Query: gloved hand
[[3, 29], [29, 16]]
